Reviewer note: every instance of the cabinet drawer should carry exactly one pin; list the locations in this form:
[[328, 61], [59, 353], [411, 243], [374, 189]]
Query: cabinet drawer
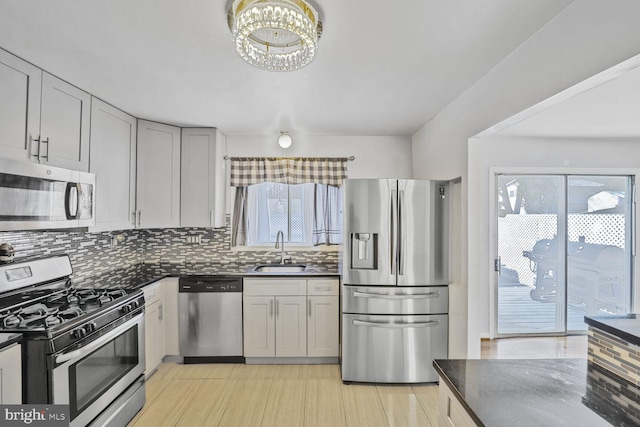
[[275, 287], [323, 287]]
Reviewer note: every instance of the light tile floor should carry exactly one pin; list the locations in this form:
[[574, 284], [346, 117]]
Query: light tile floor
[[308, 395]]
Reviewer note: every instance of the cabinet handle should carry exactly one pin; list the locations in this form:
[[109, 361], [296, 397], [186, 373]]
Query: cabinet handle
[[37, 155], [309, 303], [44, 141], [277, 308], [139, 218], [160, 312], [134, 214], [271, 308]]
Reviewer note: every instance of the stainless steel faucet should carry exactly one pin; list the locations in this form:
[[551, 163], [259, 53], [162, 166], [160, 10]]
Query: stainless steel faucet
[[280, 236]]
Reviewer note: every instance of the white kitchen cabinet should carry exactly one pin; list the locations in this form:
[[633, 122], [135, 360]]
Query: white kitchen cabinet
[[11, 375], [20, 91], [452, 413], [154, 323], [291, 317], [172, 339], [64, 124], [323, 337], [259, 326], [158, 176], [113, 160], [275, 317], [203, 178], [291, 326]]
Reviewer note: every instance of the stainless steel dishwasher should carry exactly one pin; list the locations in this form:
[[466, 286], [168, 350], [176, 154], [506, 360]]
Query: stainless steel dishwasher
[[210, 319]]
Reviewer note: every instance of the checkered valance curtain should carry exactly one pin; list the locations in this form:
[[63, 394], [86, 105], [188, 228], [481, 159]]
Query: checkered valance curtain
[[288, 170]]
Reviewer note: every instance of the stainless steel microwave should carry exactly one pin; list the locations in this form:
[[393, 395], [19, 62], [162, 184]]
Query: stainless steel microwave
[[40, 197]]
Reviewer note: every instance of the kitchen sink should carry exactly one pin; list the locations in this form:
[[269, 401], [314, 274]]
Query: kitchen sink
[[280, 268]]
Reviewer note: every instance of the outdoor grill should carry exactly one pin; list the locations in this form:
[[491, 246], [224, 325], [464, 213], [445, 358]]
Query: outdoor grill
[[595, 275]]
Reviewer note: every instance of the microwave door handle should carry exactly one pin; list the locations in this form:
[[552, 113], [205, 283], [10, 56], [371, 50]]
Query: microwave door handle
[[71, 200]]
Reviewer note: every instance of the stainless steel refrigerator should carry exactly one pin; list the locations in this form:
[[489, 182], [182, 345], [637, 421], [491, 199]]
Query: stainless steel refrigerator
[[395, 276]]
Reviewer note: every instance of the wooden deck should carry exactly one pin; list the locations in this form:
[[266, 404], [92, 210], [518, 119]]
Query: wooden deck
[[519, 314]]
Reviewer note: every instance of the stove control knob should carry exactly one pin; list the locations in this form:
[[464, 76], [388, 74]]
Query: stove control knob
[[79, 333], [90, 327], [125, 309], [135, 304]]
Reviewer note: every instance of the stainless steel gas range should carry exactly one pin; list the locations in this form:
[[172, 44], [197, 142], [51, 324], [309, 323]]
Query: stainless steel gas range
[[81, 347]]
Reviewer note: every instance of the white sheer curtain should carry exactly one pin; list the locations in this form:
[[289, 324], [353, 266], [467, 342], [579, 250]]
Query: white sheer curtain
[[327, 215]]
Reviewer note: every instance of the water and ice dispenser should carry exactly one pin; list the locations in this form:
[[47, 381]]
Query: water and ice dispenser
[[364, 251]]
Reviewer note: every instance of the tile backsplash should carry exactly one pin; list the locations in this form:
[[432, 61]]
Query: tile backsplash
[[183, 250]]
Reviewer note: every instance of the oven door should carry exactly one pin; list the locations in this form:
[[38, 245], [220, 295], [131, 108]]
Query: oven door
[[90, 378]]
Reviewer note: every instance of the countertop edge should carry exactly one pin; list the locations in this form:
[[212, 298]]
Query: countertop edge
[[243, 275], [456, 392], [630, 338], [8, 339]]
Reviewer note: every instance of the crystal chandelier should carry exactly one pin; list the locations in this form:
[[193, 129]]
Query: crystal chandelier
[[275, 35]]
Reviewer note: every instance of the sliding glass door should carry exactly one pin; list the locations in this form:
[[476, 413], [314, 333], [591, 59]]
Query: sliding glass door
[[563, 251]]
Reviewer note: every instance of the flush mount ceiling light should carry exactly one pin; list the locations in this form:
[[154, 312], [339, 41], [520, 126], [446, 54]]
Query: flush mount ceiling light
[[284, 140], [275, 35]]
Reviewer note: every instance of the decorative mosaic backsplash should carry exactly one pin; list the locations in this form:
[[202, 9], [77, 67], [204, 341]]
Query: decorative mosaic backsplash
[[615, 355], [607, 392], [165, 251]]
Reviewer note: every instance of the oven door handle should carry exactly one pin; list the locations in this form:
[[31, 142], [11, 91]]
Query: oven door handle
[[94, 345]]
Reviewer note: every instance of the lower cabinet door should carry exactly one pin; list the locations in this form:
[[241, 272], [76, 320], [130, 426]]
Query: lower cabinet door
[[393, 348], [291, 326], [151, 330], [323, 338], [11, 376], [259, 326]]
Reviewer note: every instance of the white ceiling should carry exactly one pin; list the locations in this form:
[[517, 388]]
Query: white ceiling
[[383, 68], [605, 110]]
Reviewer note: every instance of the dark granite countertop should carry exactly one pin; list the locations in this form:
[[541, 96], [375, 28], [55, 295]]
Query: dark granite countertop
[[141, 275], [7, 339], [541, 392], [626, 327]]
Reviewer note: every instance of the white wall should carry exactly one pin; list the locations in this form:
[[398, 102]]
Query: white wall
[[586, 38], [376, 156]]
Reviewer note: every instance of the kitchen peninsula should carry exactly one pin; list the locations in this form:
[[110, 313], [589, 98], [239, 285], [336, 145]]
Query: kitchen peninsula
[[600, 390]]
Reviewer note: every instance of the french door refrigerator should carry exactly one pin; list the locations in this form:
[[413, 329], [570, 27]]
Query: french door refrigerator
[[394, 276]]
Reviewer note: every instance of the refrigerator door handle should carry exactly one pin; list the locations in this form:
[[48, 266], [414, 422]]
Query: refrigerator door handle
[[402, 233], [403, 325], [397, 296], [392, 231]]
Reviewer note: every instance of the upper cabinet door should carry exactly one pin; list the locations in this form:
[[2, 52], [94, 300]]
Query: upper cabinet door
[[64, 124], [158, 176], [202, 178], [20, 87], [113, 160]]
